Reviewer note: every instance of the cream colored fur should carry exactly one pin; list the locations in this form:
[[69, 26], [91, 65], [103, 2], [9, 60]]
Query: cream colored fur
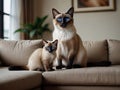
[[70, 45], [41, 59]]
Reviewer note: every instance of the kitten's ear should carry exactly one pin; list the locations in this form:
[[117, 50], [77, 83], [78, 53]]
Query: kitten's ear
[[55, 42], [70, 11], [44, 42], [55, 12]]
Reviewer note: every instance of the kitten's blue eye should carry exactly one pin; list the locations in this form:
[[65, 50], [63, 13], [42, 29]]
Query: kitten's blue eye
[[67, 19], [59, 19]]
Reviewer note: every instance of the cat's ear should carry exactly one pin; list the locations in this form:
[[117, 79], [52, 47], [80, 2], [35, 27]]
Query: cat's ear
[[55, 12], [44, 42], [70, 11], [55, 42]]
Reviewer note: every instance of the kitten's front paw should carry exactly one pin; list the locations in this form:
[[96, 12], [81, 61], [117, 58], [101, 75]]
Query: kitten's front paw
[[39, 69], [58, 67], [52, 69]]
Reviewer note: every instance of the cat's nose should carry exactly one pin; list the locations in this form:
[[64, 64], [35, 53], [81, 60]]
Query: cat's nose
[[63, 25], [50, 49]]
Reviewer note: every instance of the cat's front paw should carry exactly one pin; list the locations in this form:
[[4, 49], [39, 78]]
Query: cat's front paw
[[68, 67]]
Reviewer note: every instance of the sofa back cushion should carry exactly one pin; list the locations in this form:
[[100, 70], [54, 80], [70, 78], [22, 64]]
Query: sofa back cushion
[[114, 51], [17, 52], [96, 50]]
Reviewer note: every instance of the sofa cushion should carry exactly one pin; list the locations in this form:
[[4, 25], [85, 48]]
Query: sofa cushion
[[81, 88], [96, 50], [17, 52], [114, 51], [84, 76], [19, 80]]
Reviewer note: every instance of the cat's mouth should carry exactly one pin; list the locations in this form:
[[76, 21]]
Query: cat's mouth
[[50, 51], [63, 25]]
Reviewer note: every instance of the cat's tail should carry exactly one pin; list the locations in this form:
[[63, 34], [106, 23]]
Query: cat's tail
[[15, 68]]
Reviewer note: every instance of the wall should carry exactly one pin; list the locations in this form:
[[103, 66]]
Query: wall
[[90, 26]]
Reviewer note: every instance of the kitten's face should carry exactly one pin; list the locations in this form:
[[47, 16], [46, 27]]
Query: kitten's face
[[63, 20], [50, 46]]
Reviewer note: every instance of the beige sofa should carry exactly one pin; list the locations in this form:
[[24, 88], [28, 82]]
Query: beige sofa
[[89, 78]]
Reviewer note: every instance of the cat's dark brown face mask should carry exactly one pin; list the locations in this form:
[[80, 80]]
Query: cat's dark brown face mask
[[50, 46], [63, 19]]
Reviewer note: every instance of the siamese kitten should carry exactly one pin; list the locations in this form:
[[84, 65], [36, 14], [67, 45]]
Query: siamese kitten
[[41, 59], [70, 51]]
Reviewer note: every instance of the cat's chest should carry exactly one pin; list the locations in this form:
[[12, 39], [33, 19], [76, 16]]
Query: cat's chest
[[48, 56], [63, 35]]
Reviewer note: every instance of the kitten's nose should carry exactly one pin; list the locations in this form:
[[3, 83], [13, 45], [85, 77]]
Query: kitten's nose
[[50, 49], [63, 25]]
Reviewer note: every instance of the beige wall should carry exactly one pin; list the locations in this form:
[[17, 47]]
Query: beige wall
[[90, 26]]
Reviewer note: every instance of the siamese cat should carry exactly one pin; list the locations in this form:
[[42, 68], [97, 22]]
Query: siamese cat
[[41, 59], [70, 51]]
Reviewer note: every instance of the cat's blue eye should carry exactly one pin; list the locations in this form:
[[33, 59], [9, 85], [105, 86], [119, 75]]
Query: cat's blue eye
[[67, 19], [59, 19]]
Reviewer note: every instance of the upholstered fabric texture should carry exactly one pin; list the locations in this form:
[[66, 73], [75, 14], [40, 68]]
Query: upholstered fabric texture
[[88, 78], [114, 51], [81, 88], [19, 80], [17, 52], [84, 76], [96, 50]]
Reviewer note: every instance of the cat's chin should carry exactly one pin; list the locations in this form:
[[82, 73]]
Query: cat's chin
[[63, 28]]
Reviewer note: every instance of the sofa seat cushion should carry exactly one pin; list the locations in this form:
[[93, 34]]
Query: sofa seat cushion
[[81, 88], [19, 80], [84, 76]]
